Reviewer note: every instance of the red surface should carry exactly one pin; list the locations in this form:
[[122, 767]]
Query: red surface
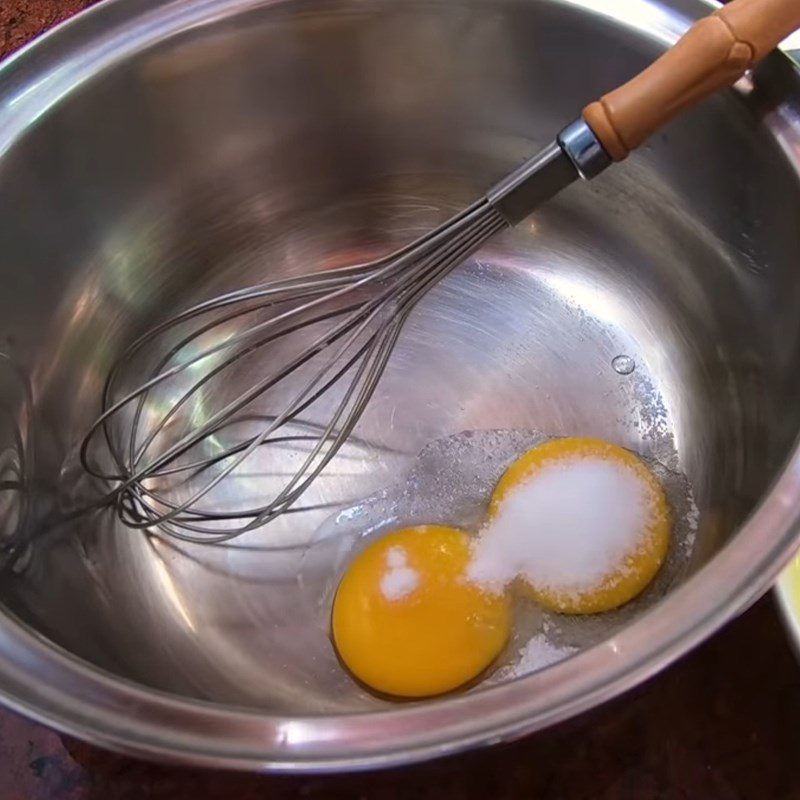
[[724, 724], [21, 20]]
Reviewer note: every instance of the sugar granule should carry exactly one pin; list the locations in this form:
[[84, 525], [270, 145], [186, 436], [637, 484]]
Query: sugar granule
[[399, 580], [568, 527], [539, 652]]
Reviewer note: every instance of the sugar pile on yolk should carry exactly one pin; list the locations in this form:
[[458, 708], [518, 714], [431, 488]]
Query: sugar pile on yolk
[[399, 580], [583, 523], [407, 622]]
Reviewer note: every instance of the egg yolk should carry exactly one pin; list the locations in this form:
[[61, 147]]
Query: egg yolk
[[406, 621], [637, 566]]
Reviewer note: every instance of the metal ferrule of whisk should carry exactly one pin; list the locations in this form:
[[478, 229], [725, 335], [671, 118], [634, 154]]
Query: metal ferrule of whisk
[[576, 153], [313, 347]]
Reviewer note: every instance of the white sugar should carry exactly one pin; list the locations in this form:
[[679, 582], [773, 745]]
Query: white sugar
[[566, 528], [538, 653], [396, 557], [399, 580]]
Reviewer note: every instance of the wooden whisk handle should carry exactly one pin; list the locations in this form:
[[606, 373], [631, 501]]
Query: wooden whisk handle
[[714, 52]]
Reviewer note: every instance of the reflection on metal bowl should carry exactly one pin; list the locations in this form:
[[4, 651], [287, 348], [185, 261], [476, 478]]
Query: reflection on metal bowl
[[154, 153]]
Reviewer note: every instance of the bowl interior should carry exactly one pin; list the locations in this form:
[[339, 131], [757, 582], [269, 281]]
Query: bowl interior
[[300, 135]]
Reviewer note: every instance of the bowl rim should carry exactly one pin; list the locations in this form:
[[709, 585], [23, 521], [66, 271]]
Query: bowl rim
[[788, 607], [45, 682]]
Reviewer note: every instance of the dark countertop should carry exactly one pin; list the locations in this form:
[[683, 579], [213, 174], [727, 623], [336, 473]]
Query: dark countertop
[[723, 724]]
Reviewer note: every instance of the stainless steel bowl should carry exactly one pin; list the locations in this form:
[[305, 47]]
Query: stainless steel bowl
[[154, 152]]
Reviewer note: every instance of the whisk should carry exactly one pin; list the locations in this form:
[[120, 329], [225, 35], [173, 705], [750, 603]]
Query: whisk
[[319, 343]]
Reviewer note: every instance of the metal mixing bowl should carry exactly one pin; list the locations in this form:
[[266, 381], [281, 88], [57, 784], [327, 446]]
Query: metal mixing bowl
[[154, 152]]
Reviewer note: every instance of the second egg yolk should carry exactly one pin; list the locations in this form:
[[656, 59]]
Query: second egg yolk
[[637, 564], [406, 621]]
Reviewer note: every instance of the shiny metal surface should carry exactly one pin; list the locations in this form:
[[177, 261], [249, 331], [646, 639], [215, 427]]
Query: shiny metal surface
[[252, 380], [541, 177], [155, 153], [584, 149], [268, 380]]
